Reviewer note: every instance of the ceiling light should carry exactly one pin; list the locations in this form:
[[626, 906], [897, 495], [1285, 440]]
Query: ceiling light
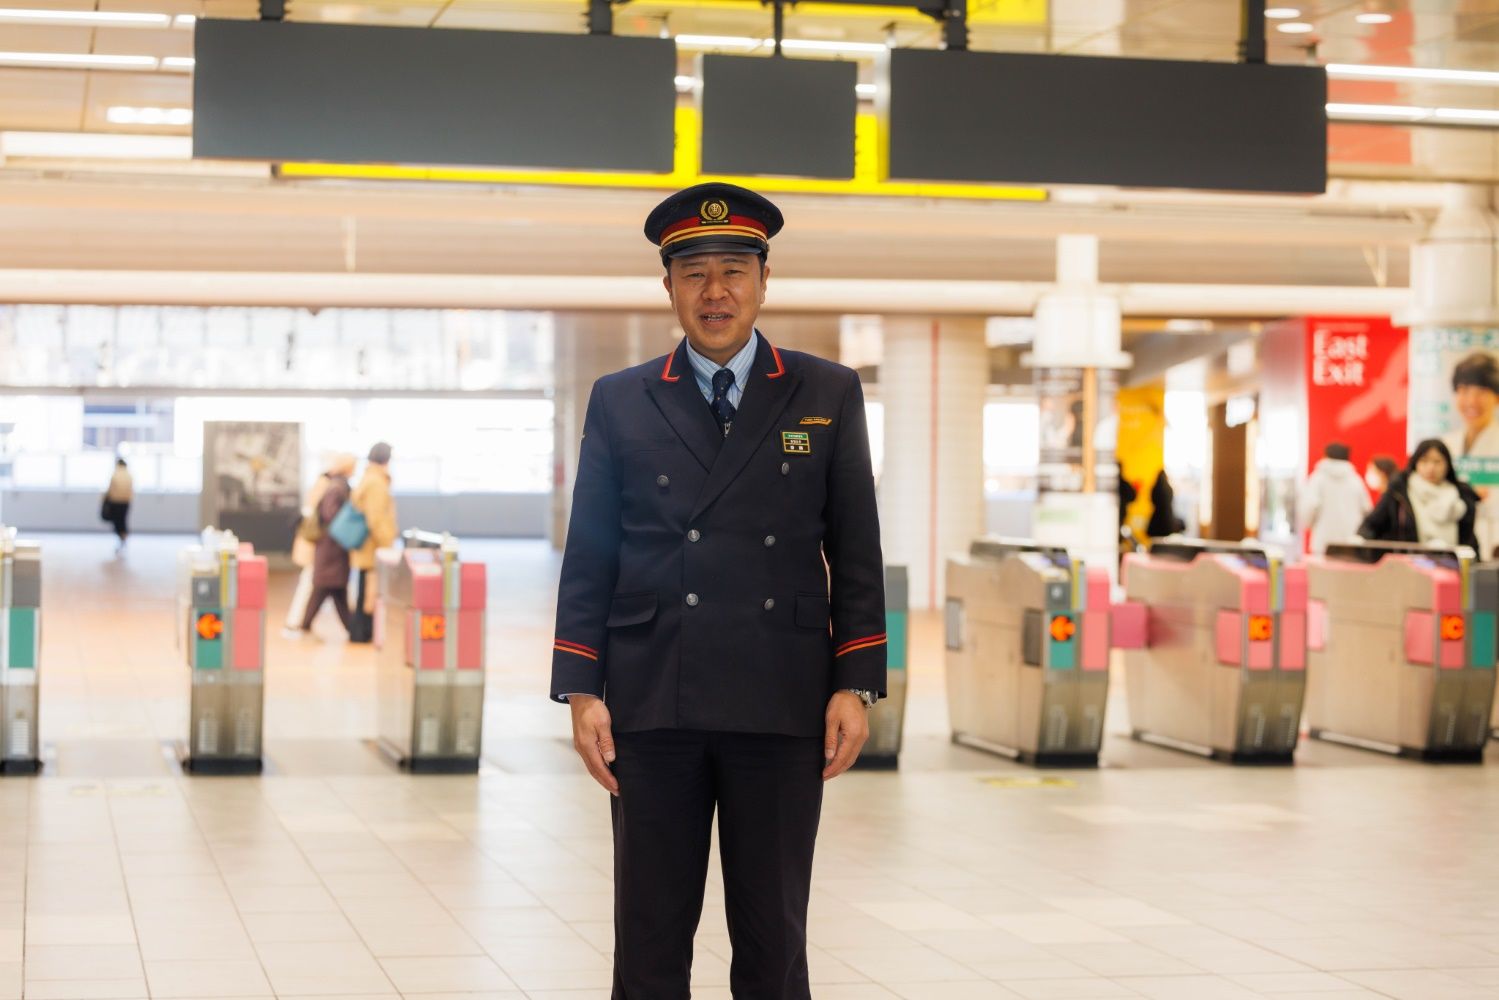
[[866, 91], [1406, 114], [179, 62], [77, 60], [1352, 71], [685, 84], [717, 42], [121, 115], [1281, 13], [184, 21], [1296, 28], [813, 45], [95, 18], [1374, 17], [95, 146]]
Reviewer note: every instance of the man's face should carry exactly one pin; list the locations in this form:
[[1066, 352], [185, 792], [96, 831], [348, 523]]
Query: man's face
[[1476, 405], [717, 297]]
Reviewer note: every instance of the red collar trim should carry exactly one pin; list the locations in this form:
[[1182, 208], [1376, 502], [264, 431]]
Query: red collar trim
[[780, 368], [666, 375]]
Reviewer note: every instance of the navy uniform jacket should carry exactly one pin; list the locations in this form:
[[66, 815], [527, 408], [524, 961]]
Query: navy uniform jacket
[[694, 590]]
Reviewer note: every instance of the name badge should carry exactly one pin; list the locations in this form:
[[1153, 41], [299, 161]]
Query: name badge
[[796, 442]]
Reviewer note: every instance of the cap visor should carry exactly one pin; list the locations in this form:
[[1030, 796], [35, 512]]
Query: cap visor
[[693, 248]]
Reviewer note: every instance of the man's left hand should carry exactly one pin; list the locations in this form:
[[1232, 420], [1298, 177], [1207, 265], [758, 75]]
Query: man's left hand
[[847, 729]]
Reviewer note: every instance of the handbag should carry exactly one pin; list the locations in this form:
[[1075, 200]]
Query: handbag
[[106, 509], [348, 527], [310, 529]]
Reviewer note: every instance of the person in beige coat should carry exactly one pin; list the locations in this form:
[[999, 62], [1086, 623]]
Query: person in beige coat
[[372, 499]]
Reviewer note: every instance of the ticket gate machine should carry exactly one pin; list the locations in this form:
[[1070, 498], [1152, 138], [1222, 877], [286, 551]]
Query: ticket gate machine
[[1403, 649], [20, 652], [429, 629], [1028, 635], [887, 718], [221, 617], [1223, 670]]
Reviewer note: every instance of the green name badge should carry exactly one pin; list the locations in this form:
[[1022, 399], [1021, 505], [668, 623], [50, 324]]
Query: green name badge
[[796, 442]]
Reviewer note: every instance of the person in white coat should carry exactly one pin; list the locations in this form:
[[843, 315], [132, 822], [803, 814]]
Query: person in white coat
[[1334, 500]]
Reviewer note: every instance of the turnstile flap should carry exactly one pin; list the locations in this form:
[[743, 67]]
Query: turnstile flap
[[1188, 549], [1374, 551], [417, 538], [994, 547]]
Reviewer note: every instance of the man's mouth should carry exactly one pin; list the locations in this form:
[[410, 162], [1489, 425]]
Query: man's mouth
[[715, 317]]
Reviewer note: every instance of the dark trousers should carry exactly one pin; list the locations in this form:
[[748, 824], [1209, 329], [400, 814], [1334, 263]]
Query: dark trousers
[[768, 794], [340, 598], [361, 624]]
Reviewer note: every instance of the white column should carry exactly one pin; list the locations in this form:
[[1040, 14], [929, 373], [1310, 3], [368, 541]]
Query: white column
[[1078, 326], [590, 345], [933, 379]]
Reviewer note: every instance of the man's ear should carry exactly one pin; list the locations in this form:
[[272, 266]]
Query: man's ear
[[764, 280], [666, 283]]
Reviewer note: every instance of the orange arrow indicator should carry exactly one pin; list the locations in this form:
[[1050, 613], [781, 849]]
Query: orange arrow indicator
[[1453, 628], [210, 626], [1261, 628], [434, 627], [1062, 628]]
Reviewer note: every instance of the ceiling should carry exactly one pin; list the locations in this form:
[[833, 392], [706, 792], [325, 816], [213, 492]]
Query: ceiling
[[60, 214]]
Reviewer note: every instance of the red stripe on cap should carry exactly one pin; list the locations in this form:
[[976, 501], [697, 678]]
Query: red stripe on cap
[[693, 221]]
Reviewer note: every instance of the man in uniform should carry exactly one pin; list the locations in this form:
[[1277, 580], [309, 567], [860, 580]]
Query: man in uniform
[[721, 614]]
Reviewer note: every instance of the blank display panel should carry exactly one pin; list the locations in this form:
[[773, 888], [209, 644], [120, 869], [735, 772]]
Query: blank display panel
[[982, 116], [793, 117], [266, 90]]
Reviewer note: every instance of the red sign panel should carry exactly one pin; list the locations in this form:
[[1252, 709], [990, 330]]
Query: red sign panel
[[1357, 378]]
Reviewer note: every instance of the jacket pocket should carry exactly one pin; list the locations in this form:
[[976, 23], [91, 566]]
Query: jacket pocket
[[631, 609], [812, 611]]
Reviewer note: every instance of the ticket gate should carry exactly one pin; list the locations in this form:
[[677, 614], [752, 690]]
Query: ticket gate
[[1223, 670], [1403, 649], [1028, 635], [221, 611], [20, 652], [887, 718], [429, 630]]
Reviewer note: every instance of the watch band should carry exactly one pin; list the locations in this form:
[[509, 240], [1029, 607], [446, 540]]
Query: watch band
[[865, 695]]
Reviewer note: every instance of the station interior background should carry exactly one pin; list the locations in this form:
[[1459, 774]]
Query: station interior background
[[460, 314]]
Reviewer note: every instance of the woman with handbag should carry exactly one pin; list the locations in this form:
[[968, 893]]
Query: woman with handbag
[[372, 499], [304, 543], [330, 560]]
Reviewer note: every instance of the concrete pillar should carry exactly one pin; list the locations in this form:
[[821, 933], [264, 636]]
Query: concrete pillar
[[1078, 341], [589, 345], [933, 380]]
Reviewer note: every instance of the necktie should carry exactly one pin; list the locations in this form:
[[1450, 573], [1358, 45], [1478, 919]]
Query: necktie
[[723, 410]]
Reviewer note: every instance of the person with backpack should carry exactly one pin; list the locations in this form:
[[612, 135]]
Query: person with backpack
[[330, 559], [373, 500]]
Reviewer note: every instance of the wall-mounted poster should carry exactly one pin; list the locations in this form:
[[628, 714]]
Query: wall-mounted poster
[[1454, 396], [251, 480]]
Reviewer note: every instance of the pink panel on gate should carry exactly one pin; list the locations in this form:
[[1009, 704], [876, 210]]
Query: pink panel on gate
[[471, 639], [1316, 626], [1420, 637], [1453, 657], [473, 590], [250, 581], [412, 624], [1129, 625], [432, 652], [246, 550], [1293, 582], [426, 587], [1254, 592], [246, 654], [1098, 590], [1095, 647], [1262, 654], [1230, 631], [1446, 591], [1293, 637]]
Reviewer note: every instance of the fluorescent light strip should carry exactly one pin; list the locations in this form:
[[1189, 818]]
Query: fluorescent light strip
[[1411, 114], [744, 43], [97, 18], [1473, 77], [1373, 17], [1281, 13], [122, 115], [179, 62], [687, 84], [77, 60], [94, 146], [1295, 28]]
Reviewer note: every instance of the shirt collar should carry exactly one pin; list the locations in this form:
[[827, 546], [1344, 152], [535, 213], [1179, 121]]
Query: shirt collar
[[740, 364]]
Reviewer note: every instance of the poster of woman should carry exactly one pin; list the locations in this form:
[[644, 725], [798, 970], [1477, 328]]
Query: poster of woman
[[1454, 391]]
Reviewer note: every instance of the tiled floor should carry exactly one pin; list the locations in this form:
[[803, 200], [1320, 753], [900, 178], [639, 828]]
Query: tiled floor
[[1158, 876]]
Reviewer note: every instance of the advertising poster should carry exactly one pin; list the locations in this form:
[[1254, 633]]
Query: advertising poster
[[1454, 392], [251, 480], [1356, 387], [1072, 401]]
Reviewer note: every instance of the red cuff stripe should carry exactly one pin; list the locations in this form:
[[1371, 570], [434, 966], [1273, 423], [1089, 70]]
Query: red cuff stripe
[[868, 638], [575, 647], [854, 649]]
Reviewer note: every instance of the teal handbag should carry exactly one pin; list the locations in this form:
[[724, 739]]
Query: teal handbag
[[348, 527]]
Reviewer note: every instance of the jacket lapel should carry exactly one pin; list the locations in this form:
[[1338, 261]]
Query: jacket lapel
[[677, 396], [770, 387]]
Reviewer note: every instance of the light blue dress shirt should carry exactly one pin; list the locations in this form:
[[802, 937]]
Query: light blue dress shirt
[[740, 364]]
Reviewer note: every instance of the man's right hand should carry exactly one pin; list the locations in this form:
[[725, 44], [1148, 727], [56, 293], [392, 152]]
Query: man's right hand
[[593, 739]]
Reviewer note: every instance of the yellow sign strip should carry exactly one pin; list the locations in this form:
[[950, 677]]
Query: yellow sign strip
[[686, 171], [997, 13]]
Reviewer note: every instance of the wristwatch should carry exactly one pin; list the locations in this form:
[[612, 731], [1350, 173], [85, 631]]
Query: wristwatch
[[866, 696]]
